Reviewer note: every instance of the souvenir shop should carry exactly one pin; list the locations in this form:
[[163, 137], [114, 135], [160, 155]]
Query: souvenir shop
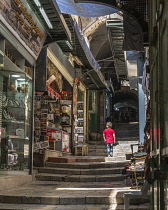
[[59, 108], [21, 39]]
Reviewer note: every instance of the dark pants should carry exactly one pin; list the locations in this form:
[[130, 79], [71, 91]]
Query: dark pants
[[109, 148]]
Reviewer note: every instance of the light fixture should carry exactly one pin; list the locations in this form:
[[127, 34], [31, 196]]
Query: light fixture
[[43, 13], [15, 75], [46, 18], [37, 3], [69, 45], [21, 79]]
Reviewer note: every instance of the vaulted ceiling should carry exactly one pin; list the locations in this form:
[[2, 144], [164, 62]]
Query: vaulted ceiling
[[106, 41], [138, 9]]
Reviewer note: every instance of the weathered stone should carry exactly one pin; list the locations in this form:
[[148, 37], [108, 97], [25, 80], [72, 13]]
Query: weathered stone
[[97, 200], [72, 200], [50, 200], [33, 199], [11, 199], [87, 179]]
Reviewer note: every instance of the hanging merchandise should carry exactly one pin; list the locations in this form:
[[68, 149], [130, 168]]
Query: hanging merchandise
[[65, 119], [49, 122]]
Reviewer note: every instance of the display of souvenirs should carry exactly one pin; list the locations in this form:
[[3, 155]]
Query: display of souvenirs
[[80, 113], [134, 171], [80, 105], [64, 119], [52, 117], [18, 88], [65, 109], [28, 70], [66, 95], [12, 159], [20, 132], [79, 129], [12, 86], [80, 121], [80, 137]]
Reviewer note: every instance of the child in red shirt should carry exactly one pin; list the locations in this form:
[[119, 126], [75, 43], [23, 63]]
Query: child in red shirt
[[109, 138]]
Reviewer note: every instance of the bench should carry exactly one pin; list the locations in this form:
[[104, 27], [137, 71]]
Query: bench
[[142, 194]]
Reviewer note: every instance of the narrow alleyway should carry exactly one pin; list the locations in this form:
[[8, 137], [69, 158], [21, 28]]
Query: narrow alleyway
[[93, 182]]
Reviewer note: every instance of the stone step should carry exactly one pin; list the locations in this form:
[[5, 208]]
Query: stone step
[[99, 171], [123, 144], [118, 154], [117, 148], [120, 151], [124, 151], [87, 165], [95, 154], [70, 197], [128, 142], [104, 154], [117, 158], [41, 195], [128, 138], [72, 207], [79, 178], [74, 159], [96, 146]]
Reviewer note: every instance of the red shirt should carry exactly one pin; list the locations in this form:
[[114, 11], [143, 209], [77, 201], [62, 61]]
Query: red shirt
[[109, 135]]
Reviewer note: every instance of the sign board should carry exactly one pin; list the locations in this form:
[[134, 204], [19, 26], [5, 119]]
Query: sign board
[[22, 22], [54, 134]]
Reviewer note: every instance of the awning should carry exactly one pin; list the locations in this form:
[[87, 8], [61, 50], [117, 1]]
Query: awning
[[94, 71], [84, 9], [90, 69]]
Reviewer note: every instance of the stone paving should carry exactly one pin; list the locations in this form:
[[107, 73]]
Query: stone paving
[[68, 195], [57, 195], [72, 207]]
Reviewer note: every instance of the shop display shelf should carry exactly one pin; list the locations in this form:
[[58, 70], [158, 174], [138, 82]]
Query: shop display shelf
[[14, 107], [17, 137], [8, 64], [18, 122], [11, 150]]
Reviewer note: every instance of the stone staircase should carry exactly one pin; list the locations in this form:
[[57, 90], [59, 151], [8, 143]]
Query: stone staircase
[[126, 134], [127, 131], [73, 183], [119, 151], [81, 169], [93, 182]]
